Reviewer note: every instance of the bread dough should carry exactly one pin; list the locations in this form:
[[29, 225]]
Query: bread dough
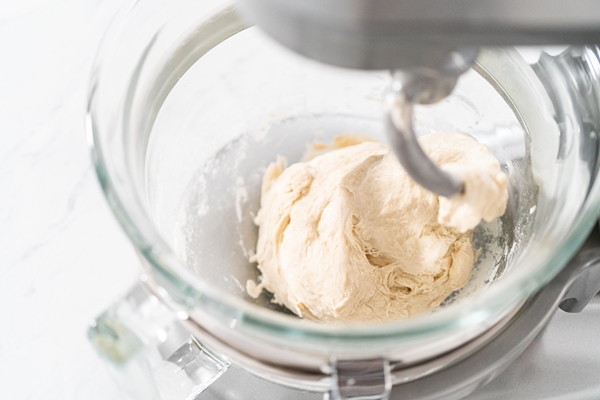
[[485, 195], [348, 236]]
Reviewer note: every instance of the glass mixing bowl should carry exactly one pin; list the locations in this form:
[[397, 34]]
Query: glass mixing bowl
[[188, 105]]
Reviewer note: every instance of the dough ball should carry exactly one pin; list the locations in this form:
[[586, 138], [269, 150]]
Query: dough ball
[[348, 236]]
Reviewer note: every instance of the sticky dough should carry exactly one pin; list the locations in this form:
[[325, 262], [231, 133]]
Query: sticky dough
[[348, 236]]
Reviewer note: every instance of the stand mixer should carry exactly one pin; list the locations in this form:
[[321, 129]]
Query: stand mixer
[[187, 323]]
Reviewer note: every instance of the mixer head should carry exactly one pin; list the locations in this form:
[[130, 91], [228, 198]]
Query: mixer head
[[427, 44]]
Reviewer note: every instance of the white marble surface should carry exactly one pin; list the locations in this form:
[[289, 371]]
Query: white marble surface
[[63, 258]]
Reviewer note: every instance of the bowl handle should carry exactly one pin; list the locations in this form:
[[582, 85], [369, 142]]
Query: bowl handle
[[149, 352]]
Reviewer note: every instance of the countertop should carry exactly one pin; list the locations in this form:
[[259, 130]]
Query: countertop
[[64, 258]]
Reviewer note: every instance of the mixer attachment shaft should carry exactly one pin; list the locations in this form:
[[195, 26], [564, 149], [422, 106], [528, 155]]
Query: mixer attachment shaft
[[406, 90]]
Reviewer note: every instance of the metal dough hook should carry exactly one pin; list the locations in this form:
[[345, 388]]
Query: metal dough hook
[[408, 89]]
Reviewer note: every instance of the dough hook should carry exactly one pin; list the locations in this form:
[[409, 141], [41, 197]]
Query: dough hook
[[406, 90]]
